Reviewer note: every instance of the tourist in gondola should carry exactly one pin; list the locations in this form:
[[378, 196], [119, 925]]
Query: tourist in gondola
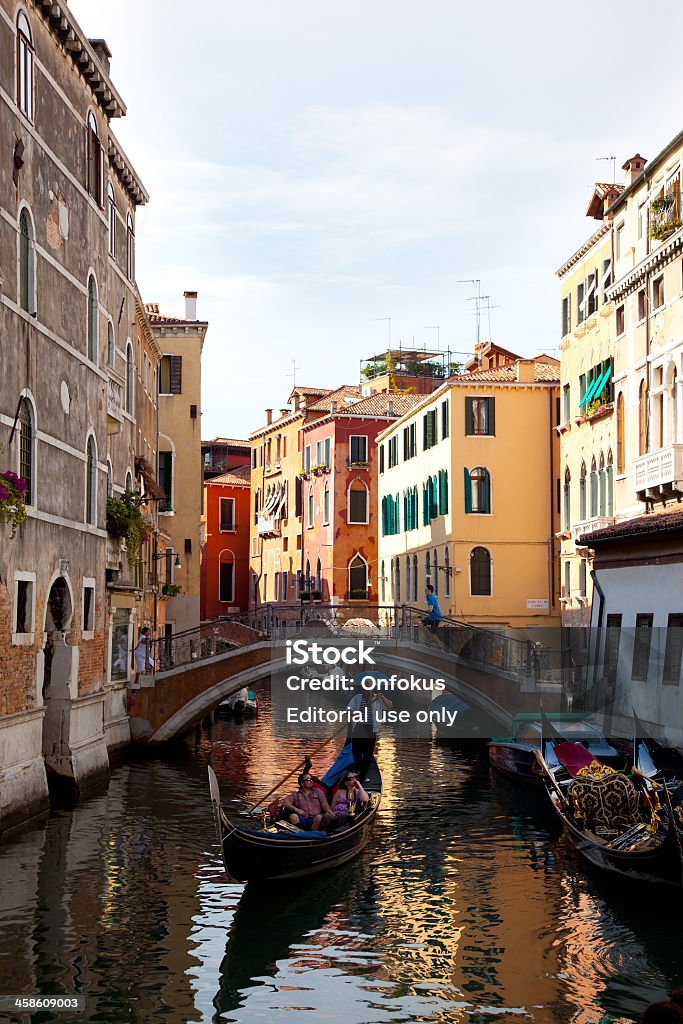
[[348, 800], [308, 807]]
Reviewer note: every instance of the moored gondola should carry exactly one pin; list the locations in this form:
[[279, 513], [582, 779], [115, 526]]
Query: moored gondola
[[278, 850], [619, 821]]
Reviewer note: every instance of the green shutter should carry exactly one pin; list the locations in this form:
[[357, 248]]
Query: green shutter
[[443, 492], [434, 505], [610, 492], [425, 505], [487, 492], [469, 418], [468, 491]]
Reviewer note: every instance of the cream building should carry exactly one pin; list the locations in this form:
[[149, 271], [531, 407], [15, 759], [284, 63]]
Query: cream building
[[468, 486], [586, 425], [180, 475]]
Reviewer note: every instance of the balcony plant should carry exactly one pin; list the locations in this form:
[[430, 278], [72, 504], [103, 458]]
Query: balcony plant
[[304, 595], [316, 595], [12, 507], [358, 465], [125, 522], [170, 590], [358, 594], [665, 216]]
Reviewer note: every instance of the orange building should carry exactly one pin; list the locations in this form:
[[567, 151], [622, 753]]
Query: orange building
[[224, 574], [339, 474]]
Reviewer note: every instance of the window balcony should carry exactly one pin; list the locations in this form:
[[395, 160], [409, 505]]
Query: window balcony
[[659, 475], [589, 526], [270, 527], [115, 401], [665, 216]]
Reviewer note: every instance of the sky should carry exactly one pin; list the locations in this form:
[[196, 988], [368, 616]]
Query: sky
[[315, 169]]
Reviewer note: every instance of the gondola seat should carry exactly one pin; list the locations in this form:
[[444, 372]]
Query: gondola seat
[[599, 795]]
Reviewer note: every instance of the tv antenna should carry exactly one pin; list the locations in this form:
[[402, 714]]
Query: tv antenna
[[378, 318], [434, 327], [614, 166], [476, 298], [292, 372]]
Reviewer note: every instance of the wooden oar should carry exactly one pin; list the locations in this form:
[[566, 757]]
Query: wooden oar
[[301, 764]]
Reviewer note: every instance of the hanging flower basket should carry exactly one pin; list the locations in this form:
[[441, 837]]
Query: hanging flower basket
[[12, 493], [125, 522]]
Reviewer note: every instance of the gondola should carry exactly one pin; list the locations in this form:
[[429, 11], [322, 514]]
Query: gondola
[[279, 850], [619, 821], [515, 755]]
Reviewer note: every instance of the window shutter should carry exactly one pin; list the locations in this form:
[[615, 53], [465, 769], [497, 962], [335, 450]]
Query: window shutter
[[425, 505], [443, 492], [468, 491], [469, 418], [487, 491], [298, 496], [492, 414], [381, 458], [176, 374]]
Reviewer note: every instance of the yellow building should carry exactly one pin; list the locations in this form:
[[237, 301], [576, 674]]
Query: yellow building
[[586, 417], [468, 491], [181, 340]]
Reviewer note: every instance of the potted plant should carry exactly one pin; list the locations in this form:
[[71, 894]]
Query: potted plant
[[125, 522], [304, 595], [170, 590], [316, 595], [358, 594], [12, 493]]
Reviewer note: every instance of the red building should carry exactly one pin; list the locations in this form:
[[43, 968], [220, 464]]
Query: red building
[[225, 554], [339, 497]]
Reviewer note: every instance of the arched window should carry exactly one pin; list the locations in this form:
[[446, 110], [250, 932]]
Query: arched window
[[27, 263], [95, 161], [129, 481], [642, 418], [358, 578], [582, 493], [594, 489], [621, 450], [358, 503], [24, 66], [435, 581], [111, 344], [480, 572], [318, 576], [129, 379], [226, 577], [428, 568], [92, 319], [110, 480], [447, 572], [27, 456], [310, 507], [478, 490], [567, 500], [673, 412], [130, 248], [602, 488], [384, 584], [409, 588], [91, 482], [326, 504], [307, 578], [111, 201], [414, 577], [610, 484], [397, 581]]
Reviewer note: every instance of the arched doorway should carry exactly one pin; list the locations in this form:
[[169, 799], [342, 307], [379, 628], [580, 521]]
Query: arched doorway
[[60, 670]]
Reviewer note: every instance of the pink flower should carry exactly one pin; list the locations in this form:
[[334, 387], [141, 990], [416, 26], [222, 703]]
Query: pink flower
[[4, 492]]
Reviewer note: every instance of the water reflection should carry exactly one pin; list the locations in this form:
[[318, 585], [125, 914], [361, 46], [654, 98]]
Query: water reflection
[[467, 906]]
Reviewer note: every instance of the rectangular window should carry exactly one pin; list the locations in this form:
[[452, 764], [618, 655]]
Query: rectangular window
[[566, 403], [88, 606], [359, 450], [358, 505], [642, 642], [658, 292], [566, 315], [582, 577], [567, 579], [254, 456], [392, 445], [328, 452], [276, 586], [591, 294], [227, 514], [409, 441], [642, 305], [319, 453], [621, 319], [166, 480], [480, 417], [381, 458], [429, 432], [285, 585], [580, 305], [307, 458], [227, 582], [119, 666], [254, 588], [612, 639], [171, 375], [674, 650], [445, 425], [24, 604], [310, 507], [642, 219], [620, 241]]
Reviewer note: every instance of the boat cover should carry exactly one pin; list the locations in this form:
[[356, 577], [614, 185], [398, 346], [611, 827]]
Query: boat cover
[[341, 765], [573, 756]]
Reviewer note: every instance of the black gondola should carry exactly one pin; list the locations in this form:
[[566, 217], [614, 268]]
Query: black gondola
[[281, 851], [619, 821]]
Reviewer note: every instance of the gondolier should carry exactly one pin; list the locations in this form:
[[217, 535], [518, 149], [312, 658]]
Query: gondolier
[[363, 735]]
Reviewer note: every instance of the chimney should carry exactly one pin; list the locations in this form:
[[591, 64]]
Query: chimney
[[102, 52], [526, 371], [190, 305], [295, 403], [269, 417], [390, 407], [634, 166], [333, 408], [285, 411]]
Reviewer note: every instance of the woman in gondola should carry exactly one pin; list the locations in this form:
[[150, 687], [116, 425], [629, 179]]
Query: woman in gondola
[[348, 799]]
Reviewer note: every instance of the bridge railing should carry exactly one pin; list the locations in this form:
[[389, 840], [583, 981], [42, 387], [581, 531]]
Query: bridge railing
[[206, 641]]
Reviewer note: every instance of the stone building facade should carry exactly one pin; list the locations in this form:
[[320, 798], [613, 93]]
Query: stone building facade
[[68, 199]]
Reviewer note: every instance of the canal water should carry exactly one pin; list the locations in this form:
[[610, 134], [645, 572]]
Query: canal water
[[467, 906]]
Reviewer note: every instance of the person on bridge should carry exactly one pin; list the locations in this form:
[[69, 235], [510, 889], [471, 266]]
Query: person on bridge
[[434, 618], [143, 656], [308, 807]]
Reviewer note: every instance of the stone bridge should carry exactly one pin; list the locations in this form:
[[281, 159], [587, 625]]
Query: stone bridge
[[495, 678]]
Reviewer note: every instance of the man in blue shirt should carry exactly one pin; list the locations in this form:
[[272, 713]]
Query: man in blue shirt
[[434, 617]]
